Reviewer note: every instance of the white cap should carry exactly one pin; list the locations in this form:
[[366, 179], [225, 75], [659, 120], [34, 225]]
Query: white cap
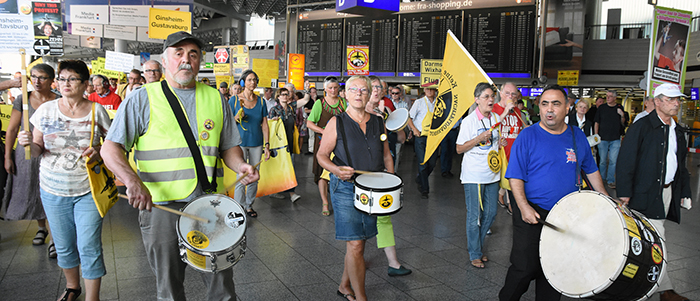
[[668, 90]]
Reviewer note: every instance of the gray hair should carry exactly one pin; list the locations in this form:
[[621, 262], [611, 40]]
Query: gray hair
[[480, 88], [160, 66], [614, 92], [366, 81]]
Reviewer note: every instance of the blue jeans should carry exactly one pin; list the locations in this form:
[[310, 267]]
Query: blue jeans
[[350, 223], [479, 221], [424, 170], [608, 159], [448, 148], [76, 228]]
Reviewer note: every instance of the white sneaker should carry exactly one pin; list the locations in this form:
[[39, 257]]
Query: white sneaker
[[295, 197], [277, 196]]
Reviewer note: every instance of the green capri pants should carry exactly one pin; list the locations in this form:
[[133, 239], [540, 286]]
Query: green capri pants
[[385, 232]]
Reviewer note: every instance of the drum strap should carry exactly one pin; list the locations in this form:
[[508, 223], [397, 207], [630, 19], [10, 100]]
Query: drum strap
[[580, 176], [208, 187], [341, 128]]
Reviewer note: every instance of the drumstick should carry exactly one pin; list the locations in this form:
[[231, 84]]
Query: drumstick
[[357, 171], [555, 228], [241, 177], [192, 216]]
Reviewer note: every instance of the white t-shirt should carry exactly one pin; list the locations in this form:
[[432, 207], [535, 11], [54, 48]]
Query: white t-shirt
[[475, 166], [62, 169]]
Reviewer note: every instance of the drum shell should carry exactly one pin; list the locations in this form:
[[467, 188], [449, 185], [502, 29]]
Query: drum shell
[[641, 250], [372, 200], [397, 120], [228, 243]]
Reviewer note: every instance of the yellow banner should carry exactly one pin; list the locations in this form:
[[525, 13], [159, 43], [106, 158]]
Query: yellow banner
[[358, 60], [163, 22], [568, 78], [224, 78], [98, 67], [268, 71], [240, 59], [430, 71], [295, 70], [460, 75]]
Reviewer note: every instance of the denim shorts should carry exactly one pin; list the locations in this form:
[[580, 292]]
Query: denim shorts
[[350, 223]]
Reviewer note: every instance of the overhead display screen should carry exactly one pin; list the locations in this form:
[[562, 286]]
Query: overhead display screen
[[380, 35], [321, 42], [423, 36], [501, 39]]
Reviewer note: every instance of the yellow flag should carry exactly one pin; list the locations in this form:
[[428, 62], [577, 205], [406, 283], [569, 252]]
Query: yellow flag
[[460, 75]]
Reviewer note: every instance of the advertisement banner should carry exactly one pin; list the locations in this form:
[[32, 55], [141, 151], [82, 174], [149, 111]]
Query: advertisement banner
[[222, 60], [142, 36], [85, 29], [91, 14], [163, 22], [48, 28], [430, 71], [240, 59], [120, 32], [129, 15], [15, 31], [295, 70], [267, 71], [667, 62], [358, 60], [567, 78]]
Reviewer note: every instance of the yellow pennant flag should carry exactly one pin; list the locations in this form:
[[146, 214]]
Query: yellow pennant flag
[[460, 75]]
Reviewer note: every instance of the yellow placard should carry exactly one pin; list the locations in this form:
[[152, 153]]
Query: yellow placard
[[633, 229], [197, 260], [224, 78], [98, 67], [222, 69], [295, 70], [568, 78], [630, 270], [163, 22], [358, 60], [240, 59], [430, 71], [268, 71]]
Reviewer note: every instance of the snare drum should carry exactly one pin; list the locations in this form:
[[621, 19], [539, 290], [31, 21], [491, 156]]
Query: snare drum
[[378, 193], [217, 245], [397, 120], [605, 252]]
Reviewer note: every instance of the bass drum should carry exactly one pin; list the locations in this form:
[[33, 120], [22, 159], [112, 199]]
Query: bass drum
[[217, 245], [605, 251]]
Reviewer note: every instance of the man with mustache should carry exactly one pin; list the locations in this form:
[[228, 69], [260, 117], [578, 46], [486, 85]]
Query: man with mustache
[[167, 173], [541, 157]]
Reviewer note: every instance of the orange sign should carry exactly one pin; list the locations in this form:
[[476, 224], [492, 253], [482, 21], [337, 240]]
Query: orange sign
[[295, 70], [358, 60]]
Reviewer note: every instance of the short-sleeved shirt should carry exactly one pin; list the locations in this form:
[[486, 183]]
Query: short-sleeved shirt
[[250, 127], [17, 106], [421, 107], [609, 122], [511, 126], [134, 114], [62, 169], [475, 165], [547, 163]]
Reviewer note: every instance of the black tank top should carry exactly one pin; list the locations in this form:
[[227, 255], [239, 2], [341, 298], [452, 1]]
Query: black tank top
[[366, 150]]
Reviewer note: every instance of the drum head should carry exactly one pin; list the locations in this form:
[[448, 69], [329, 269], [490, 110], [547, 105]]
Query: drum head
[[397, 119], [218, 234], [590, 251], [378, 180]]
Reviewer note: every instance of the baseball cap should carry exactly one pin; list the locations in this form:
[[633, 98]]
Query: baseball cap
[[180, 36], [223, 85], [668, 90]]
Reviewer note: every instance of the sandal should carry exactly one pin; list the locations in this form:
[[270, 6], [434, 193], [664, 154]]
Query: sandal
[[326, 212], [251, 213], [67, 293], [52, 251], [40, 237], [345, 296], [484, 258], [477, 263]]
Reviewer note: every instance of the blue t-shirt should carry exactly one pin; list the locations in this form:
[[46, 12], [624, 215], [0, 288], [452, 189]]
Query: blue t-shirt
[[547, 165], [250, 127]]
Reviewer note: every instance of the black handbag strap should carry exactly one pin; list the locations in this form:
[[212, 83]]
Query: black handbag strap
[[207, 186]]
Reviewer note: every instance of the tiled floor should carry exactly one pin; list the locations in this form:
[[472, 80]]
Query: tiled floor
[[293, 255]]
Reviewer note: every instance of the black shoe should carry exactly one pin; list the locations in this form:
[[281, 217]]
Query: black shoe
[[401, 271], [447, 174], [423, 195]]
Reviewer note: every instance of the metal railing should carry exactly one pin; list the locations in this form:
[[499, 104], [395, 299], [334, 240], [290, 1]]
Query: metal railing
[[618, 31], [695, 24]]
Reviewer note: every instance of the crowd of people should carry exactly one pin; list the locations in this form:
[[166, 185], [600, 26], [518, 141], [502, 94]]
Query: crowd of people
[[345, 131]]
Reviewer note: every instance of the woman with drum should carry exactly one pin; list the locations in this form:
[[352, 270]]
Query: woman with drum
[[61, 137], [358, 140], [250, 113], [322, 111], [25, 201], [480, 176], [286, 112]]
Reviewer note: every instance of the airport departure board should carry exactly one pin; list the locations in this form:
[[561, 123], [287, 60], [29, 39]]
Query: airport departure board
[[423, 36], [501, 39], [380, 35], [321, 42]]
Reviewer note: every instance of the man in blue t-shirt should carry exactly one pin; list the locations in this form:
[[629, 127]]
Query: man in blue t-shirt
[[542, 169]]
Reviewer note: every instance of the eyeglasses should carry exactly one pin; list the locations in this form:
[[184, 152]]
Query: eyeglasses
[[152, 71], [492, 96], [511, 94], [671, 99], [358, 91], [72, 80], [284, 94], [39, 78], [377, 87], [395, 93]]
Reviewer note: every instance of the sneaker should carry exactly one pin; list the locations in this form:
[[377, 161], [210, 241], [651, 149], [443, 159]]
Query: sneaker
[[401, 271], [488, 232], [277, 196], [295, 197]]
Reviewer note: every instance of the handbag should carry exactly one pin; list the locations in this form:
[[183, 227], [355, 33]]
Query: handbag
[[296, 149], [102, 186]]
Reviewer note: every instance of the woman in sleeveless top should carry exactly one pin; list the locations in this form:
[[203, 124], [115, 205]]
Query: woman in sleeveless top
[[322, 111], [358, 140], [24, 200]]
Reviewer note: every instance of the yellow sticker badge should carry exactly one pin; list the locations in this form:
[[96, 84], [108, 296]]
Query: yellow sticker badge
[[197, 239], [657, 254], [197, 260], [364, 199], [630, 270], [382, 137], [204, 135], [494, 161], [385, 201], [209, 124]]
